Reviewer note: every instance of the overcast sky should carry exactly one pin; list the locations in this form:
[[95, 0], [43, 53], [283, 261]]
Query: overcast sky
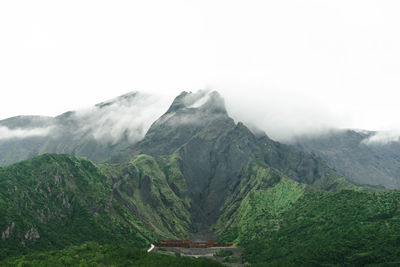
[[286, 66]]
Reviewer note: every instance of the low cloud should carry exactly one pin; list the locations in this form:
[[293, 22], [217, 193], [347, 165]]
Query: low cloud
[[283, 116], [197, 99], [20, 133], [128, 116], [383, 138]]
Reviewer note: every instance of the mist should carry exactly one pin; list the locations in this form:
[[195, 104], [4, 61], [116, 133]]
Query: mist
[[277, 69], [383, 138], [125, 117], [20, 133], [128, 116], [281, 114]]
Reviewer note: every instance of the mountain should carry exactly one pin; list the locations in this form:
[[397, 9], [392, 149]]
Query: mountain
[[196, 174], [215, 153], [96, 133], [350, 154]]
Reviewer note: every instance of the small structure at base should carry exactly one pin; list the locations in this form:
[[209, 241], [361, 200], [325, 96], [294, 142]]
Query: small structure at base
[[190, 244]]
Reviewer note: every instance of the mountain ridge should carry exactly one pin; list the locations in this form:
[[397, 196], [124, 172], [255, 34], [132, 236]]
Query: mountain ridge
[[195, 174], [347, 152]]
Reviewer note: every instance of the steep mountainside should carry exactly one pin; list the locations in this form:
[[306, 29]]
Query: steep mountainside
[[347, 152], [53, 201], [281, 222], [215, 152], [292, 225]]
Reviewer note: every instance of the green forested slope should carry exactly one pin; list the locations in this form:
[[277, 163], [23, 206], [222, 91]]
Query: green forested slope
[[53, 201], [290, 224], [149, 191]]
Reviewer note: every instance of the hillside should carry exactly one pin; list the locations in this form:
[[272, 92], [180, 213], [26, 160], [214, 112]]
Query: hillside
[[289, 225], [376, 164], [285, 223], [53, 201]]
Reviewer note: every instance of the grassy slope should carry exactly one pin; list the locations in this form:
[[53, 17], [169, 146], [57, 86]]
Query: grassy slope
[[291, 224], [257, 203], [142, 187], [341, 227]]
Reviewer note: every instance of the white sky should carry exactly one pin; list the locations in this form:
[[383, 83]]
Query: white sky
[[283, 65]]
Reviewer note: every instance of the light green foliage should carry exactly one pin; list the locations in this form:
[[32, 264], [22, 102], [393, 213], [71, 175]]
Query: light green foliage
[[340, 227], [280, 222], [258, 205], [174, 176]]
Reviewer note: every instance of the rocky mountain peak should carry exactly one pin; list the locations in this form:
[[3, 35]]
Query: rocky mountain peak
[[210, 101], [189, 114]]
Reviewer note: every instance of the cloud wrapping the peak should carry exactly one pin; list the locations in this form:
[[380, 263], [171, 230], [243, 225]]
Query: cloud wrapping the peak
[[283, 115], [197, 99], [124, 117]]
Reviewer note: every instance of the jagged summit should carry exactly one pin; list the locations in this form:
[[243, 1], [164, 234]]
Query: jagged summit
[[210, 101], [188, 114]]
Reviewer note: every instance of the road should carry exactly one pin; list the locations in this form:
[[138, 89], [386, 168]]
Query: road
[[151, 248]]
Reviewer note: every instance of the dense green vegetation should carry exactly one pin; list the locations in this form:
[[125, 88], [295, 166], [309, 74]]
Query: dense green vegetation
[[54, 201], [93, 254], [290, 225], [147, 189]]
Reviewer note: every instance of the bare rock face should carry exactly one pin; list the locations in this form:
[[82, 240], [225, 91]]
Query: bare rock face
[[8, 232], [32, 234]]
